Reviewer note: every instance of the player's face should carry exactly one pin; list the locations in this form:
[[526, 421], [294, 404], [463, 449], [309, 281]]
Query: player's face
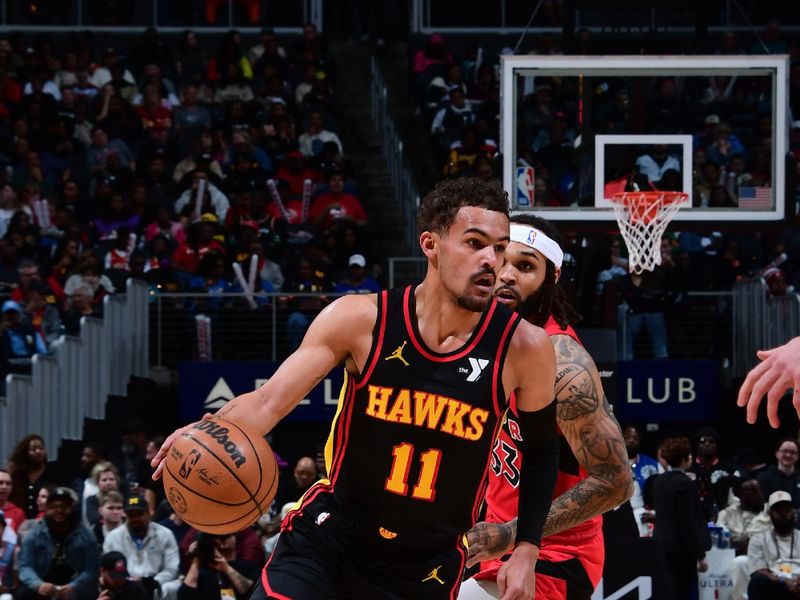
[[468, 255], [521, 276]]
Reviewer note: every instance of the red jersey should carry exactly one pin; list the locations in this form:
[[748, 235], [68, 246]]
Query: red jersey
[[14, 515], [585, 540]]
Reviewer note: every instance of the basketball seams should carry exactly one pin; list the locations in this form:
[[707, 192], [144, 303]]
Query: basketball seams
[[227, 468], [197, 493]]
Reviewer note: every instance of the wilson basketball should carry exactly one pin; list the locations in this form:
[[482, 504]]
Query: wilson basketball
[[220, 476]]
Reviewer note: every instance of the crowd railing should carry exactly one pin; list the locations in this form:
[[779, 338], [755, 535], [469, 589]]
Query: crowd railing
[[74, 381], [514, 17], [210, 16], [405, 190], [760, 321]]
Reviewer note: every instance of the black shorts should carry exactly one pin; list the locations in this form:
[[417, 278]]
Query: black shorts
[[323, 554]]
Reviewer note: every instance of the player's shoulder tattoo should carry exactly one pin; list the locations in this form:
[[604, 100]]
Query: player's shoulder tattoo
[[577, 392]]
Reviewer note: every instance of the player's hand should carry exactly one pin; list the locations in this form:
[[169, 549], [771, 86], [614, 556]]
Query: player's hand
[[778, 372], [158, 460], [486, 541], [516, 579]]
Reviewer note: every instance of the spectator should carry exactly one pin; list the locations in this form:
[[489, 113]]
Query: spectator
[[304, 476], [114, 582], [8, 544], [111, 513], [643, 467], [84, 485], [102, 147], [267, 40], [29, 473], [81, 305], [90, 276], [149, 549], [106, 478], [714, 476], [233, 86], [680, 523], [199, 241], [783, 475], [657, 162], [214, 201], [336, 205], [19, 341], [745, 517], [58, 554], [304, 309], [294, 172], [451, 120], [129, 457], [102, 74], [647, 297], [29, 272], [768, 551], [42, 315], [356, 280], [311, 142], [433, 54], [191, 118], [13, 514], [191, 57], [725, 145], [215, 570]]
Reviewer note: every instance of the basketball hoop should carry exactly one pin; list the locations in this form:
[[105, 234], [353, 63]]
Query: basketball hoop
[[643, 218]]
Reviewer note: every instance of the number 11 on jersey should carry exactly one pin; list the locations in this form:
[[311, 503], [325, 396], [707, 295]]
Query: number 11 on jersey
[[397, 482]]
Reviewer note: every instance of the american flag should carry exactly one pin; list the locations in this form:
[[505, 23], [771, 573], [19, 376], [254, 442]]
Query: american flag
[[755, 197]]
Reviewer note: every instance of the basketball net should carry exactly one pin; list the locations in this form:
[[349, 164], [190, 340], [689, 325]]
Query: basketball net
[[643, 218]]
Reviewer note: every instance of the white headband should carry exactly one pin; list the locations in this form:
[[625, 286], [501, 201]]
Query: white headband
[[536, 239]]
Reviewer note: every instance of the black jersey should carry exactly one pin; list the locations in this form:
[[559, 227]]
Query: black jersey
[[409, 448]]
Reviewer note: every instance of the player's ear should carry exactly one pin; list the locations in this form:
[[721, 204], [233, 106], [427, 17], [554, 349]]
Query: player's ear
[[427, 241], [558, 274]]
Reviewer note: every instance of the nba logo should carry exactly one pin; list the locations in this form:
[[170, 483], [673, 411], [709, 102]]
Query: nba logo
[[524, 186]]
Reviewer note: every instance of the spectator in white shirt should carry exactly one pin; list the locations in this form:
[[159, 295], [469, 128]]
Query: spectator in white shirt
[[150, 549], [311, 142], [772, 555]]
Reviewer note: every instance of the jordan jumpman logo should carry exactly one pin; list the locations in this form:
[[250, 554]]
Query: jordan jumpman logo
[[434, 575], [398, 354]]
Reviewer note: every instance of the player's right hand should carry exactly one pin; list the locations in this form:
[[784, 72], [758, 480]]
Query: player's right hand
[[158, 460], [778, 372], [486, 541]]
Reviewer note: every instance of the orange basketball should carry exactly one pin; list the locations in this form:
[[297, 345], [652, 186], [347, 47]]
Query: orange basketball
[[220, 476]]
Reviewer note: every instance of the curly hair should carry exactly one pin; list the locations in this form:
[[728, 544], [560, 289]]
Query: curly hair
[[550, 299], [675, 450], [439, 207], [19, 461]]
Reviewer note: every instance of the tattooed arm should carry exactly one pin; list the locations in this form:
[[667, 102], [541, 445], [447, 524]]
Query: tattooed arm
[[586, 420]]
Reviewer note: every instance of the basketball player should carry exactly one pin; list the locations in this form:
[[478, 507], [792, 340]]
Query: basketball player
[[779, 372], [594, 473], [428, 370]]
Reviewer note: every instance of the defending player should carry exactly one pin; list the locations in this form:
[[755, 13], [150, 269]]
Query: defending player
[[428, 371], [594, 474]]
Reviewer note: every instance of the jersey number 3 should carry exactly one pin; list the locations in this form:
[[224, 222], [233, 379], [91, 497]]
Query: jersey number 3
[[397, 482]]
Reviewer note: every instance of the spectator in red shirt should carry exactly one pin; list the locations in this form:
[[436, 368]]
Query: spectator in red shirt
[[14, 514], [152, 111], [292, 211], [336, 205], [294, 172], [199, 242], [28, 272]]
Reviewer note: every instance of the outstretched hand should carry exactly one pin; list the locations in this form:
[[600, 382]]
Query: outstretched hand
[[778, 372], [158, 460]]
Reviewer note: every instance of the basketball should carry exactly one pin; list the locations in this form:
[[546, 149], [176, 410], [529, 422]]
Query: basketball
[[220, 476]]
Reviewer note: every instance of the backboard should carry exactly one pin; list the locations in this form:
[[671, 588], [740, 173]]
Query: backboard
[[577, 129]]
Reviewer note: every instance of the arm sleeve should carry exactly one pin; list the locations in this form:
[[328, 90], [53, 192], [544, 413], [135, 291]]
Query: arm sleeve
[[539, 471]]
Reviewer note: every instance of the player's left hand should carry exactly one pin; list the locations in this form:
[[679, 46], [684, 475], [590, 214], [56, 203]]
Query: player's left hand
[[516, 578], [486, 541]]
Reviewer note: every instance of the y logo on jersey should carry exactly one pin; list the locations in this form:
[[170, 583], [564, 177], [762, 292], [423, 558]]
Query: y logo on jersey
[[477, 365]]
